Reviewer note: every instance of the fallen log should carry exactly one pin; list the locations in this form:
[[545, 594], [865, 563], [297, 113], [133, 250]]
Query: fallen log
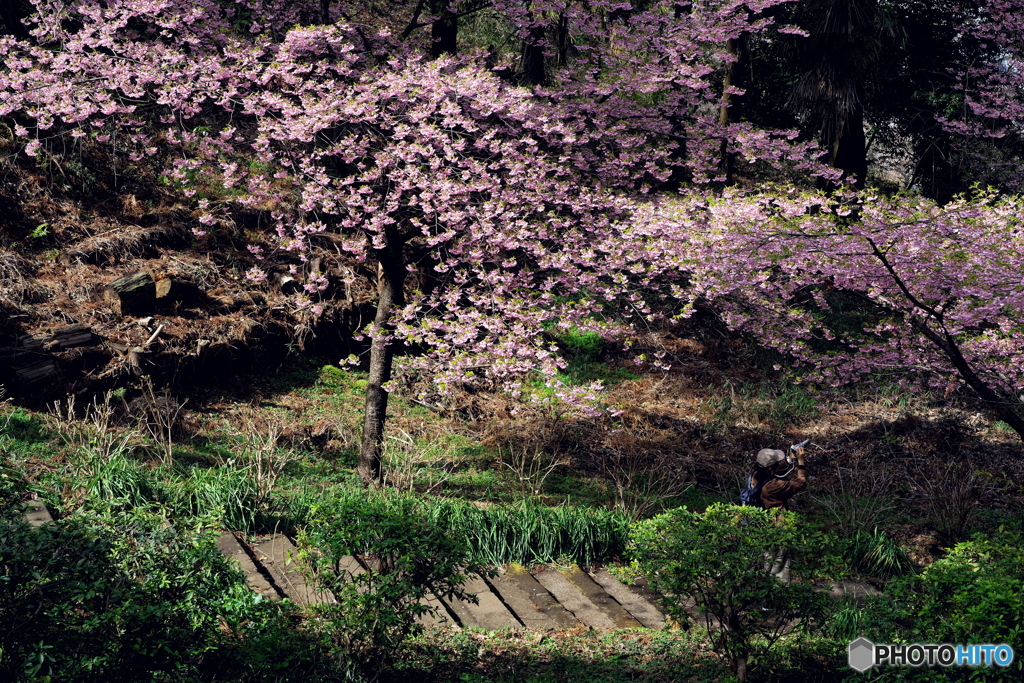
[[72, 335], [131, 294], [36, 371], [170, 290]]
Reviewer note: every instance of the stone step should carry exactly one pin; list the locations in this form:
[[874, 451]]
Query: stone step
[[232, 547], [489, 613], [639, 603], [36, 514], [531, 603], [279, 557], [573, 599], [600, 597]]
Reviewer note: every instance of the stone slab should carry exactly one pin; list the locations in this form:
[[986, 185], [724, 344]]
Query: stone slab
[[573, 599], [600, 597], [490, 613], [37, 514], [279, 557], [519, 602], [640, 607], [542, 599], [232, 548]]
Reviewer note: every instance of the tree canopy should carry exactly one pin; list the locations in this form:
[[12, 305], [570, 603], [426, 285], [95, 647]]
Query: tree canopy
[[524, 166]]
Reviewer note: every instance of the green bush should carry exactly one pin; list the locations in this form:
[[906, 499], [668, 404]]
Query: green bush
[[409, 558], [975, 594], [718, 558], [123, 596]]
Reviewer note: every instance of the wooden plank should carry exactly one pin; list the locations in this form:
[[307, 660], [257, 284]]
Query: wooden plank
[[230, 546], [637, 605]]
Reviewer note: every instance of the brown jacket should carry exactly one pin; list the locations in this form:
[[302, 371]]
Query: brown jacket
[[777, 492]]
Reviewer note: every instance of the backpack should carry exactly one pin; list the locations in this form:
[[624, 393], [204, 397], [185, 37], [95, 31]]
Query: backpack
[[752, 494]]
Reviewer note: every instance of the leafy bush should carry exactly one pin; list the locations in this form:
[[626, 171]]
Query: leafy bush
[[124, 596], [975, 595], [409, 557], [718, 559]]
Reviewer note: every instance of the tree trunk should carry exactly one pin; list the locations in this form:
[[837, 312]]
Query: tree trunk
[[532, 58], [849, 149], [444, 31], [741, 668], [728, 109], [390, 289]]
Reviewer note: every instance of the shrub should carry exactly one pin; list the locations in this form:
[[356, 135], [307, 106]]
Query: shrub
[[975, 595], [718, 558], [124, 596], [408, 556]]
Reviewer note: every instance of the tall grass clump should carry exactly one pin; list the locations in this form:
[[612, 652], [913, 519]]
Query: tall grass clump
[[528, 532], [232, 493], [119, 478], [524, 533], [876, 553]]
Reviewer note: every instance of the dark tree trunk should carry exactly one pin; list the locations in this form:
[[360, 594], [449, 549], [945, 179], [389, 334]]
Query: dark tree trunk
[[444, 31], [849, 151], [729, 107], [390, 289], [532, 59]]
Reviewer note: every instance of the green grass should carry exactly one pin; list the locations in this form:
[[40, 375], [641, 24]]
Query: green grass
[[529, 533]]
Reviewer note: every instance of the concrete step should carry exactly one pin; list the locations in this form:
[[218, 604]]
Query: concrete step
[[232, 547], [535, 608], [489, 613], [573, 599], [37, 514], [279, 557], [641, 604]]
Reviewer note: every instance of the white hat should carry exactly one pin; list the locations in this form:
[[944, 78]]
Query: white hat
[[767, 457]]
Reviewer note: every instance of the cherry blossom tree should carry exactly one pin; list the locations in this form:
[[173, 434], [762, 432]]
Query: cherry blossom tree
[[857, 287], [988, 125], [508, 206]]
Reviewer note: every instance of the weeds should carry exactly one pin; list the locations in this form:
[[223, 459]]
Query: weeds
[[642, 489], [761, 403], [857, 500], [876, 553], [403, 461], [260, 456], [529, 533], [161, 413], [229, 494], [951, 497], [531, 467], [93, 434]]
